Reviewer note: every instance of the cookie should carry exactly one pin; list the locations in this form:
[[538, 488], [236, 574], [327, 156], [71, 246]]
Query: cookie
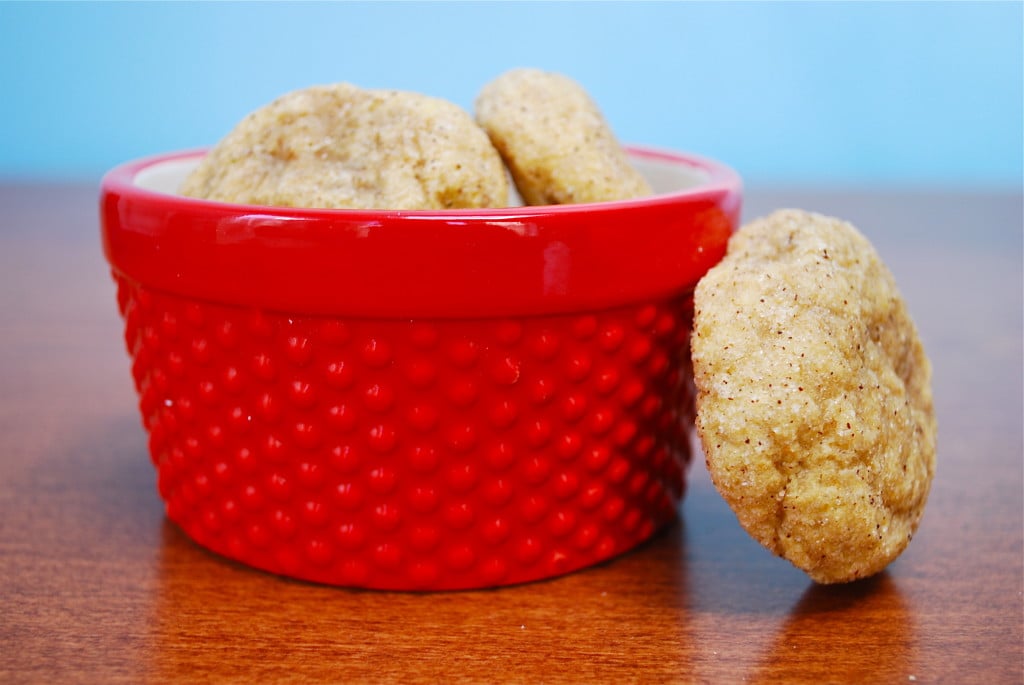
[[341, 146], [814, 401], [555, 141]]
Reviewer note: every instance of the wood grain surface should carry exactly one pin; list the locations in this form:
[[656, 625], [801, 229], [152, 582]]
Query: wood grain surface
[[97, 587]]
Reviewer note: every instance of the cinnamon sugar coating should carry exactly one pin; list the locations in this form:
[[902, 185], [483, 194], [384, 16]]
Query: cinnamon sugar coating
[[341, 146], [555, 141], [814, 403]]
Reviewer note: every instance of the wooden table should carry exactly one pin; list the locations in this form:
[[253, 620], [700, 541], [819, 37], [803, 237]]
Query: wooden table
[[96, 586]]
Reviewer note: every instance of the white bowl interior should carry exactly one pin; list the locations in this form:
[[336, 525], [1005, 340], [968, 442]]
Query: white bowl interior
[[166, 177], [665, 176]]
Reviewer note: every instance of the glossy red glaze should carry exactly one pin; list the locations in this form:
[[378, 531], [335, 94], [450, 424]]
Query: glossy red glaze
[[415, 400], [461, 263]]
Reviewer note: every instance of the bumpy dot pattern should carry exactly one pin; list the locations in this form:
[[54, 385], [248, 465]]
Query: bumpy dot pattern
[[412, 455]]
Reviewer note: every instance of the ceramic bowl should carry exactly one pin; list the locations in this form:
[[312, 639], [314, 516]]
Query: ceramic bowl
[[416, 400]]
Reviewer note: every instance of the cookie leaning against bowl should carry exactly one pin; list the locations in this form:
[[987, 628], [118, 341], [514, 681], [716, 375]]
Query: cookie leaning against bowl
[[341, 146], [555, 141], [814, 402]]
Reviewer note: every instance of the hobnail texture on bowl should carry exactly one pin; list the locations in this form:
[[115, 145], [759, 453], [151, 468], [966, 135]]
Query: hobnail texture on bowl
[[405, 454], [416, 452]]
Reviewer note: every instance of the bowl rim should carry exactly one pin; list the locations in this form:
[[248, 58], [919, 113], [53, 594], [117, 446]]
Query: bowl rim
[[719, 178], [463, 263]]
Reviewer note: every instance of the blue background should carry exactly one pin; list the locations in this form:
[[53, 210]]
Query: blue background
[[826, 94]]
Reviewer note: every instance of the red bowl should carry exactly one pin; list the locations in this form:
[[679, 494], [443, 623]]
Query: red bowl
[[416, 400]]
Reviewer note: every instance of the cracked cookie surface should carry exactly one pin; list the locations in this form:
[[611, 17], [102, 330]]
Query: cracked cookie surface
[[555, 141], [341, 146], [814, 402]]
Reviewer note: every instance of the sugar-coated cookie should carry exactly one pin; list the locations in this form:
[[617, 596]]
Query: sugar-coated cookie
[[814, 402], [341, 146], [555, 141]]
